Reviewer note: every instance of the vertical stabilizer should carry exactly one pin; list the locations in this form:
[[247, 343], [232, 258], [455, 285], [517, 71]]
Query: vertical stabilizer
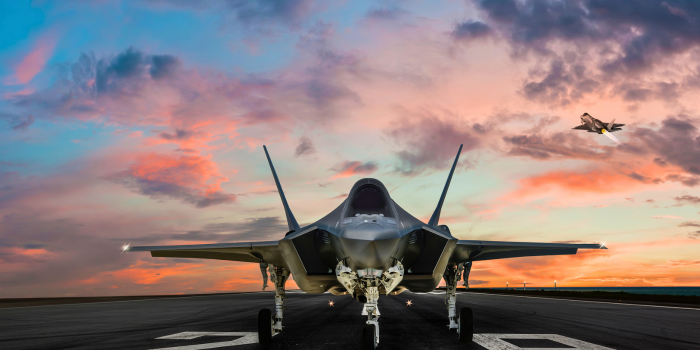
[[291, 221], [611, 125], [436, 215]]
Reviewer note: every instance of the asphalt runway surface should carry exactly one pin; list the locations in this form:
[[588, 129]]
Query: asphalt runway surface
[[229, 322]]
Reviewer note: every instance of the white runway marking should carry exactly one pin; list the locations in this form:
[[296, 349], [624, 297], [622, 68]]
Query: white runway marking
[[246, 338], [496, 342]]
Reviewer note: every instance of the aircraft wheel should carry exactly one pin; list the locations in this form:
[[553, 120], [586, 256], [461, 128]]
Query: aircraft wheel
[[466, 325], [265, 326], [369, 341]]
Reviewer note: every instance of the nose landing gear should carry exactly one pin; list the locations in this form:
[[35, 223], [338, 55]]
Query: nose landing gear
[[371, 330], [365, 284]]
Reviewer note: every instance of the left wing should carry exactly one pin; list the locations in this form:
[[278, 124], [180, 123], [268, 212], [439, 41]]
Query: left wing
[[582, 127], [243, 251], [490, 250]]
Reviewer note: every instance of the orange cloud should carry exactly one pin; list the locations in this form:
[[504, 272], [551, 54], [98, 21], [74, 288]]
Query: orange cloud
[[193, 172], [192, 179], [148, 273], [595, 182]]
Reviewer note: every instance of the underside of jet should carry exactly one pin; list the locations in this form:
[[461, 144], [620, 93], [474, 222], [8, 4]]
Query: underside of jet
[[366, 247]]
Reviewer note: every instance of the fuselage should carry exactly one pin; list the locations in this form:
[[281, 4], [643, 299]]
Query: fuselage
[[369, 233], [593, 123]]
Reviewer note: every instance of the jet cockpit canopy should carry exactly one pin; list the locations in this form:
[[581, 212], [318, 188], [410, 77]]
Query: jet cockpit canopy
[[369, 199]]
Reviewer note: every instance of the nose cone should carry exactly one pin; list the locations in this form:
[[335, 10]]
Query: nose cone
[[369, 244]]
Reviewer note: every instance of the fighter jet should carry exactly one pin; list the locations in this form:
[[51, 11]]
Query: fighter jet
[[366, 247], [594, 125]]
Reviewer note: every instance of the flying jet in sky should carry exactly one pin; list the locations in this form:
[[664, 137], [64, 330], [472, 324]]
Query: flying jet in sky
[[366, 247], [594, 125]]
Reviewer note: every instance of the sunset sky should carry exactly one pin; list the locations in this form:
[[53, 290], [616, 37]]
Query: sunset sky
[[142, 123]]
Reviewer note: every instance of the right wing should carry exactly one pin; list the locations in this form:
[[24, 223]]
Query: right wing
[[243, 251], [582, 127], [490, 250]]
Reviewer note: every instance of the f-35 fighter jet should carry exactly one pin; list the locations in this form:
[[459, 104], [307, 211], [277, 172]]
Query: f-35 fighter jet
[[366, 247], [594, 125]]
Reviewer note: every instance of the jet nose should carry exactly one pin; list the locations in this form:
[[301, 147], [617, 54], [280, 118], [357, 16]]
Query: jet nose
[[369, 245]]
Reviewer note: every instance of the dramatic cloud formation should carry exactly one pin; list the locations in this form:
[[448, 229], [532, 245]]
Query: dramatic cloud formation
[[597, 46], [430, 142], [677, 142], [192, 179]]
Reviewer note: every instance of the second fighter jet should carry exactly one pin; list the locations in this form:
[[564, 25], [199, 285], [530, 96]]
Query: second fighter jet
[[594, 125]]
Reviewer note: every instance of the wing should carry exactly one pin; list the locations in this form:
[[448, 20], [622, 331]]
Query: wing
[[490, 250], [582, 127], [242, 251], [614, 125]]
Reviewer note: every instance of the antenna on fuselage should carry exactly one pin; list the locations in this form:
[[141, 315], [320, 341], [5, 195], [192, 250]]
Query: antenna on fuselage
[[436, 215], [291, 221]]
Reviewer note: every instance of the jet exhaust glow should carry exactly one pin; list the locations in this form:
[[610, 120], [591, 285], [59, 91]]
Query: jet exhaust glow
[[610, 136], [125, 247]]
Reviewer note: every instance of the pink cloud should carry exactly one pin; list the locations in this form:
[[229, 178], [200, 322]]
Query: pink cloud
[[35, 60], [192, 179], [347, 169]]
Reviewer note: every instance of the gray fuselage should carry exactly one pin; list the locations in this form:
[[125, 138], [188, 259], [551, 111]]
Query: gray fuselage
[[368, 232]]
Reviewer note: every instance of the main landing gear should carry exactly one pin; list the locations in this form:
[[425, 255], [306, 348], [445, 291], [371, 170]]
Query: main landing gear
[[267, 324], [462, 323]]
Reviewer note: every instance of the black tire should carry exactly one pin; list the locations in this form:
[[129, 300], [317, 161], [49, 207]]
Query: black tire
[[466, 325], [368, 341], [264, 326]]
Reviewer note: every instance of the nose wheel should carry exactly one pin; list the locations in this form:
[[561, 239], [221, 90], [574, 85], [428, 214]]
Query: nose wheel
[[369, 338]]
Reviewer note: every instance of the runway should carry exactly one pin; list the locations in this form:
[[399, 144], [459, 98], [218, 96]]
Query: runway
[[310, 323]]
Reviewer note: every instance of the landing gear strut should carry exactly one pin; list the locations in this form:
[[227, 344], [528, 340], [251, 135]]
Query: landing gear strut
[[463, 323], [371, 330], [364, 286], [268, 325]]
